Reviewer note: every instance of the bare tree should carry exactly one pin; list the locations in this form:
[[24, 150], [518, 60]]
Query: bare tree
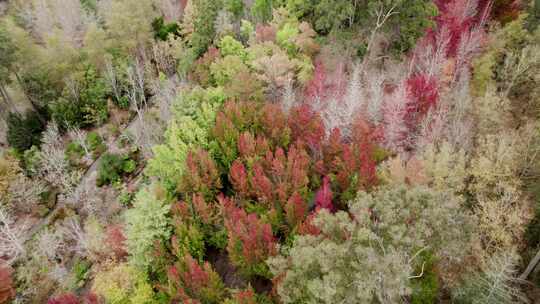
[[79, 136], [172, 10], [72, 230], [49, 243], [111, 75], [11, 237], [382, 13], [162, 53], [54, 167], [48, 16], [24, 192], [517, 64], [138, 102]]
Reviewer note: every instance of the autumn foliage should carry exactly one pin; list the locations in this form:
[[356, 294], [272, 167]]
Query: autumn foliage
[[250, 240], [7, 290], [191, 282]]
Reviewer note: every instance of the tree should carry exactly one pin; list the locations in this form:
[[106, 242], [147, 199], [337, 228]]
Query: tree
[[123, 283], [24, 131], [250, 240], [201, 27], [189, 282], [261, 10], [125, 34], [374, 252], [12, 237], [146, 223], [8, 51]]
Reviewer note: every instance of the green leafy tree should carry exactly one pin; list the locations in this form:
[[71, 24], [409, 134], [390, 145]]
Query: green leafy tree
[[123, 284], [24, 131], [205, 13], [262, 10], [146, 223], [193, 116], [371, 254]]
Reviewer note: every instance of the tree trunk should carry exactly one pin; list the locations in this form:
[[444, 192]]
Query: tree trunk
[[7, 99], [530, 267]]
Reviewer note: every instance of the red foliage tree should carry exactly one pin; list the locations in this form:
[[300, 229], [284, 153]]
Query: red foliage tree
[[458, 18], [422, 95], [250, 241], [7, 292], [323, 197], [272, 178], [201, 71], [307, 126], [234, 119], [274, 125], [350, 165], [202, 175], [70, 298], [115, 240], [247, 296], [296, 210], [316, 87], [67, 298], [191, 282], [265, 33]]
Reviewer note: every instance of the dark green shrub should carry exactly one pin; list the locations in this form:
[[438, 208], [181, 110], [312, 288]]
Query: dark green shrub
[[113, 167], [95, 143], [74, 152], [24, 131], [39, 88], [162, 30], [81, 270], [235, 7], [87, 109], [262, 10]]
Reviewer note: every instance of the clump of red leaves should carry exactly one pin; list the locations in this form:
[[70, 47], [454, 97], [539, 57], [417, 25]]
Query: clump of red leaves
[[115, 240], [70, 298], [422, 94], [247, 296], [191, 282], [323, 197], [306, 125], [7, 292], [350, 165], [202, 175], [250, 241]]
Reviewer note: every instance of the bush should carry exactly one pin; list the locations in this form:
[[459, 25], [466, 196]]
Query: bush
[[85, 108], [123, 283], [81, 271], [162, 30], [112, 167], [74, 152], [24, 131], [95, 143]]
